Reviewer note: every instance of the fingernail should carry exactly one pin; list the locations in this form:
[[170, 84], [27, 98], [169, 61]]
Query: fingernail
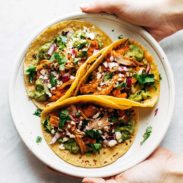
[[84, 5]]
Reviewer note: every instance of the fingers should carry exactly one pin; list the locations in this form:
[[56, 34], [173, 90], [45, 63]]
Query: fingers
[[100, 6], [93, 180], [160, 152]]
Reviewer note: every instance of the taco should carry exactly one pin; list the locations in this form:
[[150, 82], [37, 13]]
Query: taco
[[89, 131], [125, 73], [53, 58]]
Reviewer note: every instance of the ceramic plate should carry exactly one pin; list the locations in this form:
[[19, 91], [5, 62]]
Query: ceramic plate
[[28, 125]]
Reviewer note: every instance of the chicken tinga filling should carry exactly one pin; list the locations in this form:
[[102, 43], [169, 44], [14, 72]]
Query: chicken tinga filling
[[123, 73], [55, 65], [87, 128]]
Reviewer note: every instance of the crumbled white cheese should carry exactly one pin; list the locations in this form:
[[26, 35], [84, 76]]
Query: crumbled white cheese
[[111, 58], [72, 77], [95, 51], [105, 64], [118, 136], [61, 146], [65, 139], [99, 75], [70, 135], [73, 123], [43, 72], [113, 64], [90, 35], [112, 143], [121, 75], [52, 131], [49, 85]]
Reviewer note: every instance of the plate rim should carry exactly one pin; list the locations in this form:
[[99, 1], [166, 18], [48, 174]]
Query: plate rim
[[145, 35]]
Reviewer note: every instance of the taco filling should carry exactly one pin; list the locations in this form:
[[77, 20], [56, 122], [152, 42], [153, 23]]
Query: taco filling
[[82, 128], [124, 73], [53, 68]]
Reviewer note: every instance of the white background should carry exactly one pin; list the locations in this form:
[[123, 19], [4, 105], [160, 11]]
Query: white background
[[18, 20]]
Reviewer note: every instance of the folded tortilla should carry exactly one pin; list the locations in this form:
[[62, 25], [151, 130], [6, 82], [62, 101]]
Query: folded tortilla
[[65, 45], [129, 75], [106, 155]]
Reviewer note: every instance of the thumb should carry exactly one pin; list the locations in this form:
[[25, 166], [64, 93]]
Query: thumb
[[93, 180], [107, 6]]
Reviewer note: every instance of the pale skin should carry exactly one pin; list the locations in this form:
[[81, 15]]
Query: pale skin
[[161, 18]]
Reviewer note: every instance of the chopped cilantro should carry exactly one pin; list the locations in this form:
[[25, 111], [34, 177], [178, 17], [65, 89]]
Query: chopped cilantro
[[120, 36], [72, 146], [94, 134], [94, 148], [145, 78], [37, 112], [113, 119], [38, 139], [76, 60], [83, 54], [47, 126], [146, 134], [53, 80], [61, 42], [60, 59], [64, 117], [108, 76], [121, 85], [31, 72]]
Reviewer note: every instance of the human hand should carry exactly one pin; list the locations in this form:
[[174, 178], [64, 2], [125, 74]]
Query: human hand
[[162, 166], [160, 18]]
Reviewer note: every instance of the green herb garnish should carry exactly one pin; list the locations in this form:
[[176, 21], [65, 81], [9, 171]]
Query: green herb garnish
[[121, 85], [31, 72], [145, 78], [83, 54], [146, 134], [37, 112], [38, 139], [61, 42], [72, 146], [64, 117], [94, 148], [108, 76], [53, 80], [113, 119], [94, 134], [60, 59]]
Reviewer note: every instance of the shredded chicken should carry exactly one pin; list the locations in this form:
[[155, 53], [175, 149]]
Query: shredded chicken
[[99, 123], [107, 89], [89, 88], [81, 143]]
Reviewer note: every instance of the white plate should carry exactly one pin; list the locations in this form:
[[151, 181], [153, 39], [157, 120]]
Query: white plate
[[28, 125]]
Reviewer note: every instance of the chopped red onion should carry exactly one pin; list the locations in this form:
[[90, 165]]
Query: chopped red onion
[[52, 49], [73, 52], [55, 138], [95, 51], [66, 77], [129, 81], [122, 68], [148, 68]]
